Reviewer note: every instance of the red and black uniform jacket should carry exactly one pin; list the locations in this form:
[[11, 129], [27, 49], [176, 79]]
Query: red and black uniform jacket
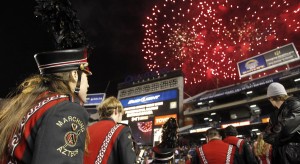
[[53, 131], [245, 153], [110, 143], [217, 152]]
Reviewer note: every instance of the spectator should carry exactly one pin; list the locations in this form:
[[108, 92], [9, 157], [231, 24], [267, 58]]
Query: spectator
[[262, 150], [110, 141], [44, 121], [164, 151], [216, 151], [245, 153], [283, 130]]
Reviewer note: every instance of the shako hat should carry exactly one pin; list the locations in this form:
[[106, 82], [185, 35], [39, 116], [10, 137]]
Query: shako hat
[[62, 61], [72, 46], [163, 155]]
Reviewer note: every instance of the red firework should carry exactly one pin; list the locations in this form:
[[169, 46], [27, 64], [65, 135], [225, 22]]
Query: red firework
[[206, 39]]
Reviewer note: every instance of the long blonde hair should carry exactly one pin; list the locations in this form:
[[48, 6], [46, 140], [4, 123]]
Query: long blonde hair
[[261, 148], [23, 99]]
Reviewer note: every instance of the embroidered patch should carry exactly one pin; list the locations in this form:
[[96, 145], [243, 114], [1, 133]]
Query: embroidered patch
[[71, 138]]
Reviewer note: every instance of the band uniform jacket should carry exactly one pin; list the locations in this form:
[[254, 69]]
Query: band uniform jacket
[[246, 155], [217, 152], [110, 143], [283, 132], [53, 131]]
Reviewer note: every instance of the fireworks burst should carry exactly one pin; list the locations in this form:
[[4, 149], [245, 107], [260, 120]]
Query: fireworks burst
[[207, 38]]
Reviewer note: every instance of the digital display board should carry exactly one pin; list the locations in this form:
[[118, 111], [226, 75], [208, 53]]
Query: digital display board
[[271, 59], [150, 111]]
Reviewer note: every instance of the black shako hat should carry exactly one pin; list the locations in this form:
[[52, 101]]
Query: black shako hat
[[62, 61], [163, 155]]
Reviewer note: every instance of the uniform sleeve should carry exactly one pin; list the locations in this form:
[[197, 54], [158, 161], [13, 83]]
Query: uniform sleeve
[[61, 137], [248, 154], [126, 147], [236, 157]]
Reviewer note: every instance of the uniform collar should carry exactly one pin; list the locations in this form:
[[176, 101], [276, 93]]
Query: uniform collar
[[107, 119]]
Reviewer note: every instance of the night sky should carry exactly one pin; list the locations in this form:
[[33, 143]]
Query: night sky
[[113, 27], [203, 38]]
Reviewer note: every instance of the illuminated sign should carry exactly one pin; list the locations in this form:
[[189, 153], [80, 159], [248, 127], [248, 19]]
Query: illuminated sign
[[144, 99], [160, 120], [252, 65], [94, 99], [142, 110], [150, 98], [236, 124], [271, 59], [265, 120]]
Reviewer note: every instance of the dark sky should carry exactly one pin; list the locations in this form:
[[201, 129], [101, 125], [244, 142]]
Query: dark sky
[[112, 26]]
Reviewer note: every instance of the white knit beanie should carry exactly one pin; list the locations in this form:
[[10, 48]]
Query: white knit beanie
[[276, 89]]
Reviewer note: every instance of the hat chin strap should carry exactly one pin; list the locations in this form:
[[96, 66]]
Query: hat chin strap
[[77, 88]]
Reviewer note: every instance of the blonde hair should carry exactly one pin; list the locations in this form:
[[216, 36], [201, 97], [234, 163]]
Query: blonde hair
[[261, 148], [106, 108], [24, 98], [279, 97]]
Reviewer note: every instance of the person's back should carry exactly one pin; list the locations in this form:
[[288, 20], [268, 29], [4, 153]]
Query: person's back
[[216, 151], [110, 142], [246, 155], [98, 135], [283, 128]]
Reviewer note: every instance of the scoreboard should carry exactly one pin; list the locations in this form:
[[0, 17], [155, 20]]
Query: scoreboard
[[149, 105]]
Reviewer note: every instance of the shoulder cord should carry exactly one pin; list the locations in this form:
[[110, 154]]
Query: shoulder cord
[[105, 143], [229, 154], [202, 155], [16, 139]]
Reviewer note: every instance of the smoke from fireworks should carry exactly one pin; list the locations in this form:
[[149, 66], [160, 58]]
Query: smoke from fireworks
[[207, 38]]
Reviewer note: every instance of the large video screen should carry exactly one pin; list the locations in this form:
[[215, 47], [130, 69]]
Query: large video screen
[[146, 112]]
